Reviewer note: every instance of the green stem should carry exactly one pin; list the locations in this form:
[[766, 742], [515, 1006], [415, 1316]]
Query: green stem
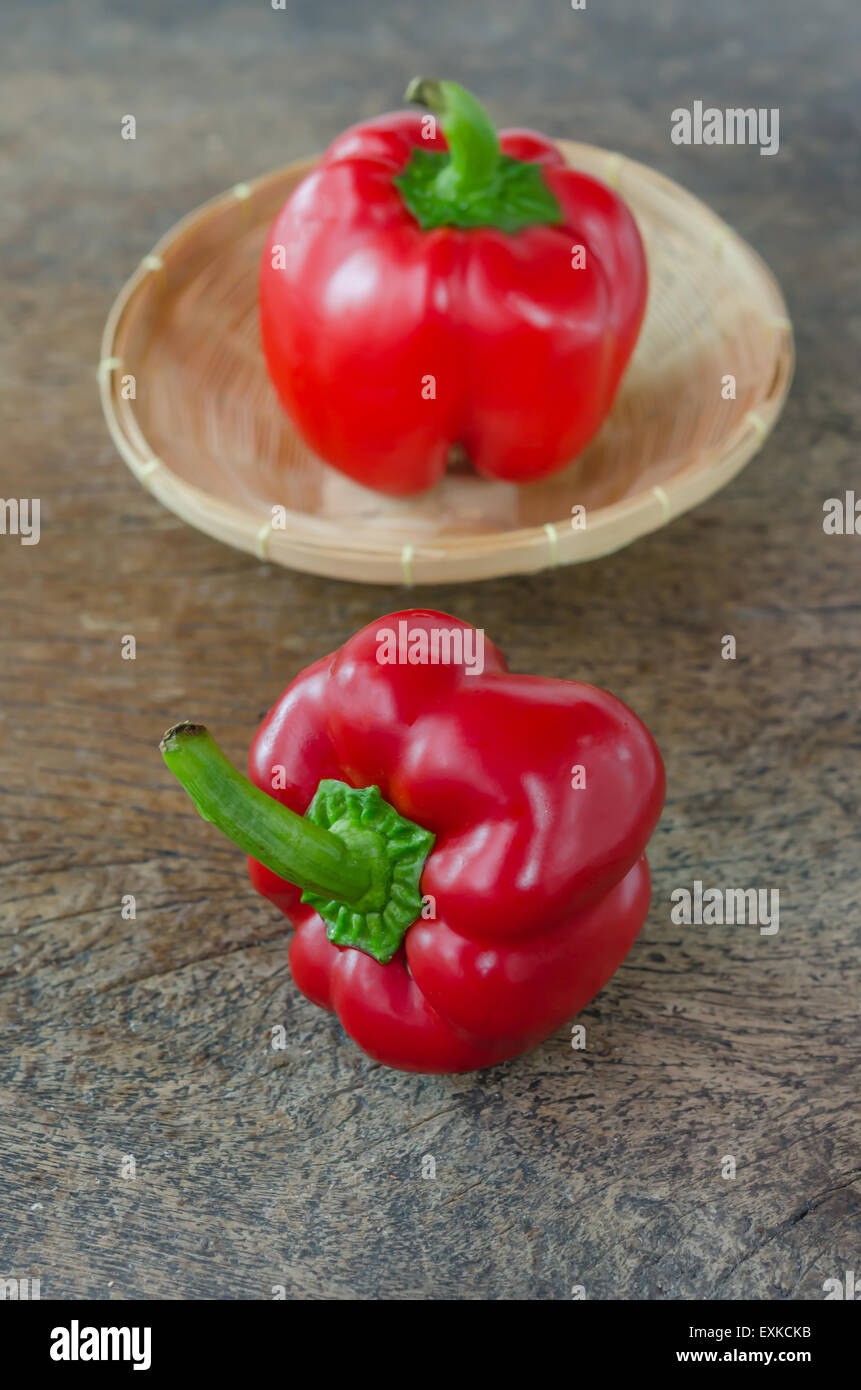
[[291, 846], [472, 183], [470, 134]]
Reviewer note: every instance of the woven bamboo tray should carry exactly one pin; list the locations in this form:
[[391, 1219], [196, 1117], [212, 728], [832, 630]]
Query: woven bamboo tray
[[204, 432]]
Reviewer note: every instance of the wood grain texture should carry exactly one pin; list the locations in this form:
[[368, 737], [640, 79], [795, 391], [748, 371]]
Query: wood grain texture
[[151, 1038]]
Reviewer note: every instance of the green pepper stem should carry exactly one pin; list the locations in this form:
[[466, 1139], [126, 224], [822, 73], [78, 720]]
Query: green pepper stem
[[291, 846], [470, 133]]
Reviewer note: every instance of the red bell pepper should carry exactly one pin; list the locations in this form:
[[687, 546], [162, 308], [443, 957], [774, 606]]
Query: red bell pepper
[[469, 842], [433, 288]]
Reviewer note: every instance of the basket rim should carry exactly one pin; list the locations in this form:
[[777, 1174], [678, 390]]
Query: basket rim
[[304, 534]]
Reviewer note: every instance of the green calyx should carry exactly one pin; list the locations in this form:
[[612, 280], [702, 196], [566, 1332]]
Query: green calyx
[[358, 862], [394, 848], [473, 184]]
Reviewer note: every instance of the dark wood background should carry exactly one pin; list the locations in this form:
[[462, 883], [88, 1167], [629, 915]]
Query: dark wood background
[[302, 1167]]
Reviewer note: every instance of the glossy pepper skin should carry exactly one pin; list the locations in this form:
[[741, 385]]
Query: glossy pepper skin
[[539, 889], [390, 343]]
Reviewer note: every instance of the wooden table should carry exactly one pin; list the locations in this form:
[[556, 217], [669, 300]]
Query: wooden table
[[151, 1038]]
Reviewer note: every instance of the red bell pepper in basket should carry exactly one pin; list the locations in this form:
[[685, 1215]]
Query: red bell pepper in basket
[[469, 842], [434, 287]]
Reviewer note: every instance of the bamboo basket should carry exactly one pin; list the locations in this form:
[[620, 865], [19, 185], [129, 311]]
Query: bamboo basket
[[191, 410]]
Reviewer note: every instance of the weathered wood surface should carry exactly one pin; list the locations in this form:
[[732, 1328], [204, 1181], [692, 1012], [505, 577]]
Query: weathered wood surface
[[150, 1038]]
